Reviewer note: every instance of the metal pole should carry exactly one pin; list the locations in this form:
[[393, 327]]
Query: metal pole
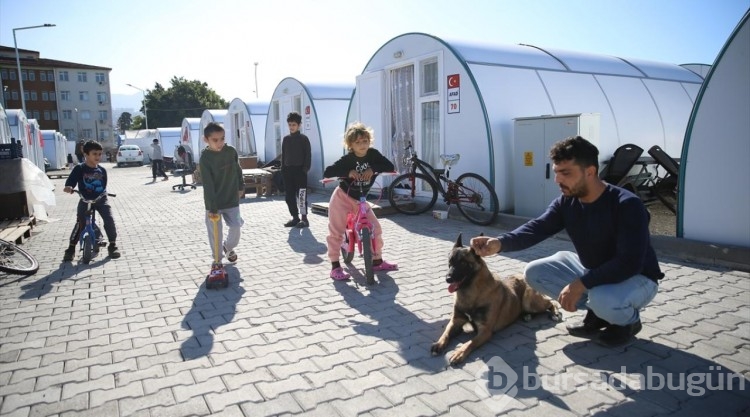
[[18, 59], [20, 79], [256, 80], [145, 109]]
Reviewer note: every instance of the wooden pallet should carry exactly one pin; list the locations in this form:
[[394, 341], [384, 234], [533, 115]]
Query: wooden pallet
[[17, 230], [58, 174]]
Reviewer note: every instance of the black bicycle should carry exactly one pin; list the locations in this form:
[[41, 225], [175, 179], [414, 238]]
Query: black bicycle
[[15, 260], [416, 192]]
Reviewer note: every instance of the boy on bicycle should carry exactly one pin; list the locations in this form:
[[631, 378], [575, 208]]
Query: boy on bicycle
[[91, 179], [357, 168]]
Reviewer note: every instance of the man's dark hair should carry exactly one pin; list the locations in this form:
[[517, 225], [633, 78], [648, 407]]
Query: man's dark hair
[[212, 127], [294, 117], [576, 149], [92, 145]]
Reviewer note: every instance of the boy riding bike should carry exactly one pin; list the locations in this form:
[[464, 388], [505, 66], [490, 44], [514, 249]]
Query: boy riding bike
[[91, 179], [358, 167]]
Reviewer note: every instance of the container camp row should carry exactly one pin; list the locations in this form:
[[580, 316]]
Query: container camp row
[[456, 97]]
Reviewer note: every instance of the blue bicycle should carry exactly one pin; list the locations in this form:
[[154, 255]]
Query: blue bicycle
[[90, 239]]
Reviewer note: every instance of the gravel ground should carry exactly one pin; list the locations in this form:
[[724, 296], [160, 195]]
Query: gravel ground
[[663, 221]]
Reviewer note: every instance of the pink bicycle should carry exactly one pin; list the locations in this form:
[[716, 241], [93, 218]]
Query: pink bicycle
[[359, 234]]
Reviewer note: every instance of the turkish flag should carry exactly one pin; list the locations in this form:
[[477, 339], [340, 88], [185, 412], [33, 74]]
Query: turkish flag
[[454, 81]]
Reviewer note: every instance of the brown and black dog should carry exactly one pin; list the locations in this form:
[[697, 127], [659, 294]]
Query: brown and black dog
[[486, 301]]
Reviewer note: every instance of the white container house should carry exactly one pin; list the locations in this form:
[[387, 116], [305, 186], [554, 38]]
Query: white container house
[[454, 97], [169, 139], [245, 125], [323, 108], [54, 149], [35, 152], [21, 131], [192, 137], [212, 115], [713, 200], [5, 133]]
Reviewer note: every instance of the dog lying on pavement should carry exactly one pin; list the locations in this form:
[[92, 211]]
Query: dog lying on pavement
[[486, 301]]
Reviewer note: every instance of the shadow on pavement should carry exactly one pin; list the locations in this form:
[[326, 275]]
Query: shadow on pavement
[[303, 241], [66, 270], [393, 322], [659, 379], [211, 309]]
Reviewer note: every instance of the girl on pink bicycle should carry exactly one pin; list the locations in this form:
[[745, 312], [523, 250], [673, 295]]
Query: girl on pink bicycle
[[357, 170]]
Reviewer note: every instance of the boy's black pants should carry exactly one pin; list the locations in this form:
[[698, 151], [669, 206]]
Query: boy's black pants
[[105, 214], [295, 190]]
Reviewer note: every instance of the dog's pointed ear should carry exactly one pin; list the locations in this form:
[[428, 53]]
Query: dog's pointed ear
[[481, 233], [458, 242]]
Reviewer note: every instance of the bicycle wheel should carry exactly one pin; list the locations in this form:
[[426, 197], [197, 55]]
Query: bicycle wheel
[[15, 260], [346, 255], [477, 200], [88, 249], [367, 256], [412, 193]]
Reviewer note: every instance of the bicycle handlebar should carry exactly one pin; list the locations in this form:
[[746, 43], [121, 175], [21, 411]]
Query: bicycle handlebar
[[96, 199], [329, 180]]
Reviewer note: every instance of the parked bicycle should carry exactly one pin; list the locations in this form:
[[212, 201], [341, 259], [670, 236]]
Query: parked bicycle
[[89, 240], [359, 234], [15, 260], [416, 192]]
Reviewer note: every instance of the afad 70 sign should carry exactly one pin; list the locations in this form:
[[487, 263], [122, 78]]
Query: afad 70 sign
[[454, 93]]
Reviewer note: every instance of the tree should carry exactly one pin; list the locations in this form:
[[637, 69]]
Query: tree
[[167, 107], [138, 123], [124, 122]]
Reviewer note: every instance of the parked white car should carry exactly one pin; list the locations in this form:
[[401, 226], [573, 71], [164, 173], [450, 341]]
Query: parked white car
[[129, 154]]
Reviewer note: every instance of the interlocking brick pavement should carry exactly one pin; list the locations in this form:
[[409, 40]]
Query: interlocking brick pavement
[[141, 335]]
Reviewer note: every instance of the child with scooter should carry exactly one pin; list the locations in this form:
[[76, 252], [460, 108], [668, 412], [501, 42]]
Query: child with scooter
[[223, 186]]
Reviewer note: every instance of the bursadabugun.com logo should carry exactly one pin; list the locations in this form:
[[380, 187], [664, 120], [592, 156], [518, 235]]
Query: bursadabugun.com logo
[[497, 383]]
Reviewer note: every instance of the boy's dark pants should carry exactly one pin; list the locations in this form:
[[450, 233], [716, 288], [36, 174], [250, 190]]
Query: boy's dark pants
[[105, 213], [295, 179], [157, 168]]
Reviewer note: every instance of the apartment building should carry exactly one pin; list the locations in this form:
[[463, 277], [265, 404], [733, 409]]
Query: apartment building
[[72, 98]]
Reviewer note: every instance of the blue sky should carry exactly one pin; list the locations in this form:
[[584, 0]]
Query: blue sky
[[218, 41]]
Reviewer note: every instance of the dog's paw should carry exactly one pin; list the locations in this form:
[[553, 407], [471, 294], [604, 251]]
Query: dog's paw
[[437, 348], [458, 356]]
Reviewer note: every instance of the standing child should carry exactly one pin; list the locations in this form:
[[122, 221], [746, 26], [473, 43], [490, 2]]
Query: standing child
[[295, 163], [358, 167], [91, 179], [223, 186], [157, 161]]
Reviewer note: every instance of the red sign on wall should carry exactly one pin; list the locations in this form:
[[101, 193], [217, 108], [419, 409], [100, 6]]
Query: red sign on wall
[[307, 110], [454, 93], [454, 81]]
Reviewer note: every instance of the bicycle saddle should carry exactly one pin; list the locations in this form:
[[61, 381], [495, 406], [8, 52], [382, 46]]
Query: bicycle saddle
[[451, 159]]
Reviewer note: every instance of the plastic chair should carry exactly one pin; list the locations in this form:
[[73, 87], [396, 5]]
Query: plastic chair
[[187, 168], [623, 160], [665, 188]]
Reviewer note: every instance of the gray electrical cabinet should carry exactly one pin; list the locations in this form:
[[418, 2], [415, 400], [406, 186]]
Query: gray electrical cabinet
[[533, 178]]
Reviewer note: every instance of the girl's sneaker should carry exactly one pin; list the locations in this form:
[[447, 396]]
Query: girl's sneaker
[[384, 266]]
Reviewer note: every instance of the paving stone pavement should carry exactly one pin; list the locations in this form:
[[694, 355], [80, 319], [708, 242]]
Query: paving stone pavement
[[141, 335]]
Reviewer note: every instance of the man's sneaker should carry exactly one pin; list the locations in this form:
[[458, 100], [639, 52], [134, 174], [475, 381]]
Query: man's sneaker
[[302, 224], [590, 325], [114, 253], [69, 254], [614, 335], [291, 223], [231, 255]]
